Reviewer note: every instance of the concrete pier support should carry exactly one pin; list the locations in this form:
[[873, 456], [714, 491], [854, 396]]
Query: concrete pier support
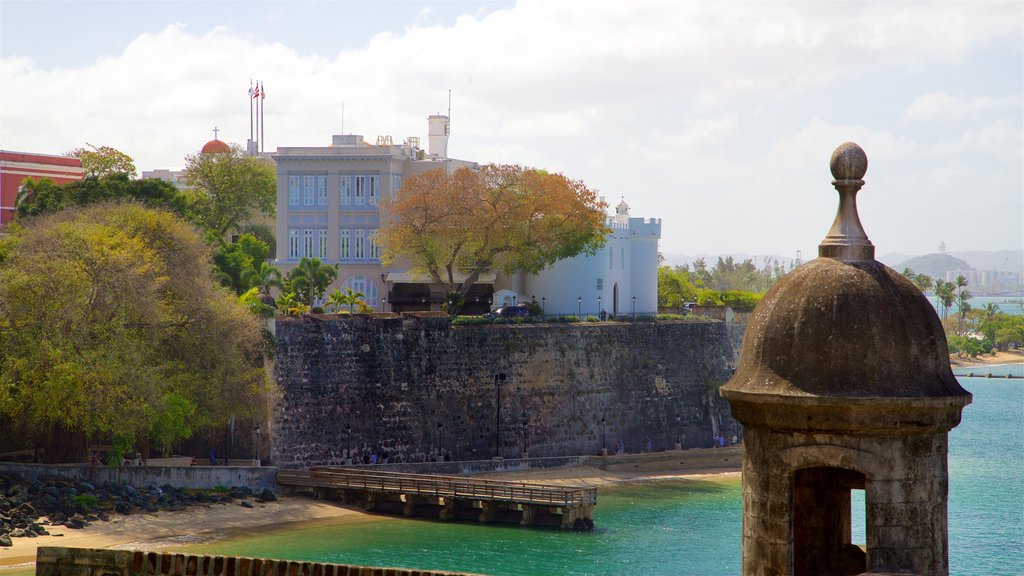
[[529, 515], [487, 510], [447, 511]]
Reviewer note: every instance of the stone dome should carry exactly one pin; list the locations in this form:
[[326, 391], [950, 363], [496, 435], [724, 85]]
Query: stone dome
[[214, 146], [845, 329], [844, 325]]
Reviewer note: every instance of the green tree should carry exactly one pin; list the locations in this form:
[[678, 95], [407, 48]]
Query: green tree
[[962, 296], [263, 278], [236, 261], [111, 326], [454, 227], [104, 161], [227, 189], [945, 295], [44, 197], [349, 298], [289, 304], [675, 286], [310, 279]]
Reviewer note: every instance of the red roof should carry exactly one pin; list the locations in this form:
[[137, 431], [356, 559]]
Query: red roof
[[215, 146]]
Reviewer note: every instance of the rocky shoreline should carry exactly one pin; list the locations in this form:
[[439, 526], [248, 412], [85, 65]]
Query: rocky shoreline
[[31, 508]]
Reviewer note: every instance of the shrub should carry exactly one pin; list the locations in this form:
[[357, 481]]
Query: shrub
[[469, 321], [662, 317], [591, 318], [86, 502], [316, 310]]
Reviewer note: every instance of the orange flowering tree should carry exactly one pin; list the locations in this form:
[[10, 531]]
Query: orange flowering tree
[[501, 217]]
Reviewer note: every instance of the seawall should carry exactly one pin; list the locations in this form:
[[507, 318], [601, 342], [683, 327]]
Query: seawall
[[414, 388], [55, 561]]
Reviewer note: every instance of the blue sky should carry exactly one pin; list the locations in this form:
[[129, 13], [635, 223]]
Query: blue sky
[[718, 117]]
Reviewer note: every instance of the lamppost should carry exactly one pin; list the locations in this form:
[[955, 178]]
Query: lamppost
[[423, 302], [383, 304], [599, 305], [579, 308], [634, 306], [440, 429], [604, 438], [499, 379], [348, 443], [679, 432], [526, 430], [542, 300], [256, 429]]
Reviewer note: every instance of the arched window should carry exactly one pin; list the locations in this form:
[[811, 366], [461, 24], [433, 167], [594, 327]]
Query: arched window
[[362, 284]]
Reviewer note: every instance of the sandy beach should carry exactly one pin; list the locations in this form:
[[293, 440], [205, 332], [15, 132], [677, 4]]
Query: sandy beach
[[211, 522], [1010, 357]]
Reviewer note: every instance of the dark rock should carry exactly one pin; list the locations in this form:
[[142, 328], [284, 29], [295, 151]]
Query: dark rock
[[77, 523], [18, 533], [247, 504], [5, 541], [267, 495]]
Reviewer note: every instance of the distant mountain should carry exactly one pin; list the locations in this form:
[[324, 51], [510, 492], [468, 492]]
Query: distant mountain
[[1002, 260], [711, 259], [934, 265]]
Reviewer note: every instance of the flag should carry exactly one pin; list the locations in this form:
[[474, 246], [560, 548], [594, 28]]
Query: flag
[[251, 92], [256, 93], [263, 92]]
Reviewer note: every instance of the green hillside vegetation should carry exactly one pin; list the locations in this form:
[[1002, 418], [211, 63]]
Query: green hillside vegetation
[[934, 265]]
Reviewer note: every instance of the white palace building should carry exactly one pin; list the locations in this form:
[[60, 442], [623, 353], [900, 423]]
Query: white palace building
[[327, 201]]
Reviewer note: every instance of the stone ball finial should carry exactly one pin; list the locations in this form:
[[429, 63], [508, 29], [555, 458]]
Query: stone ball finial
[[849, 162]]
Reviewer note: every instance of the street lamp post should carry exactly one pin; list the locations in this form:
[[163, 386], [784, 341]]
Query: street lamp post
[[634, 306], [440, 452], [499, 379], [348, 443], [579, 308], [542, 300], [256, 429], [383, 304], [604, 437], [526, 431], [599, 306], [679, 437]]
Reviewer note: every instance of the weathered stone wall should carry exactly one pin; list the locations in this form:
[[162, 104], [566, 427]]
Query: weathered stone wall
[[54, 561], [255, 477], [394, 380]]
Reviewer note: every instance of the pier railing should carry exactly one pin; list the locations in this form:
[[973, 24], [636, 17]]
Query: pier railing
[[444, 486]]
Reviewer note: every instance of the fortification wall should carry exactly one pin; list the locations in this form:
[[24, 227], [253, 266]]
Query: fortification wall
[[386, 384], [55, 561]]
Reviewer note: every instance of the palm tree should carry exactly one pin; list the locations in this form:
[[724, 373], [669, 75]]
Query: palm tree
[[310, 279], [944, 295], [263, 278], [990, 310], [923, 282], [349, 298], [290, 305]]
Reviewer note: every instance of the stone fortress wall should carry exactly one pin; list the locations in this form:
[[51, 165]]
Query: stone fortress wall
[[384, 384]]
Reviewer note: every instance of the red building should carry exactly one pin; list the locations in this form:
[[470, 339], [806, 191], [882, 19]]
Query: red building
[[16, 166]]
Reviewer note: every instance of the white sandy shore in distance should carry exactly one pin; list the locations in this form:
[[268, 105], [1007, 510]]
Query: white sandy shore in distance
[[1011, 357], [204, 523]]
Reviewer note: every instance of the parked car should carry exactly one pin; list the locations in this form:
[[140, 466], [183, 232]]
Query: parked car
[[517, 311]]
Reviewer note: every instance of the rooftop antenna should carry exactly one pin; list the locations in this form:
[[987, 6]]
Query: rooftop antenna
[[447, 133]]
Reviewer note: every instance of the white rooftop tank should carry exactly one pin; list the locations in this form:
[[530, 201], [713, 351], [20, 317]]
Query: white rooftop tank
[[437, 135]]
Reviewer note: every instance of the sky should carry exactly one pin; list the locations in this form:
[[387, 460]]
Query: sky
[[717, 117]]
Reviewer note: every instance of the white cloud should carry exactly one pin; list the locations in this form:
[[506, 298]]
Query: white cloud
[[729, 110], [939, 105]]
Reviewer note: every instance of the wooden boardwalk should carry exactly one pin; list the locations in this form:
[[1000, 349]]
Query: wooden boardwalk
[[449, 497]]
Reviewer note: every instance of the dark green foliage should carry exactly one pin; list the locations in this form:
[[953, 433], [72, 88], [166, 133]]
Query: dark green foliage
[[310, 279], [469, 321], [235, 262], [43, 196]]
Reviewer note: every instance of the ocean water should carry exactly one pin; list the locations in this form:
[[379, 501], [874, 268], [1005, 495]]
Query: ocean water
[[680, 527]]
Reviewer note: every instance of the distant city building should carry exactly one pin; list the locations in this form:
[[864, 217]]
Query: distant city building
[[989, 281], [327, 208], [15, 167], [172, 176], [621, 278]]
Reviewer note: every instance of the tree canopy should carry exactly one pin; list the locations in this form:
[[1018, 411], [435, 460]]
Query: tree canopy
[[499, 217], [227, 188], [104, 161], [112, 325], [44, 196], [310, 279]]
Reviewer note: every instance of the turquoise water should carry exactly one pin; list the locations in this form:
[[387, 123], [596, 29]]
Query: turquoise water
[[1007, 304], [678, 527]]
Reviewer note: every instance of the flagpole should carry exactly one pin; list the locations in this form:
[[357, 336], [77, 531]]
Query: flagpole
[[250, 110], [263, 96]]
